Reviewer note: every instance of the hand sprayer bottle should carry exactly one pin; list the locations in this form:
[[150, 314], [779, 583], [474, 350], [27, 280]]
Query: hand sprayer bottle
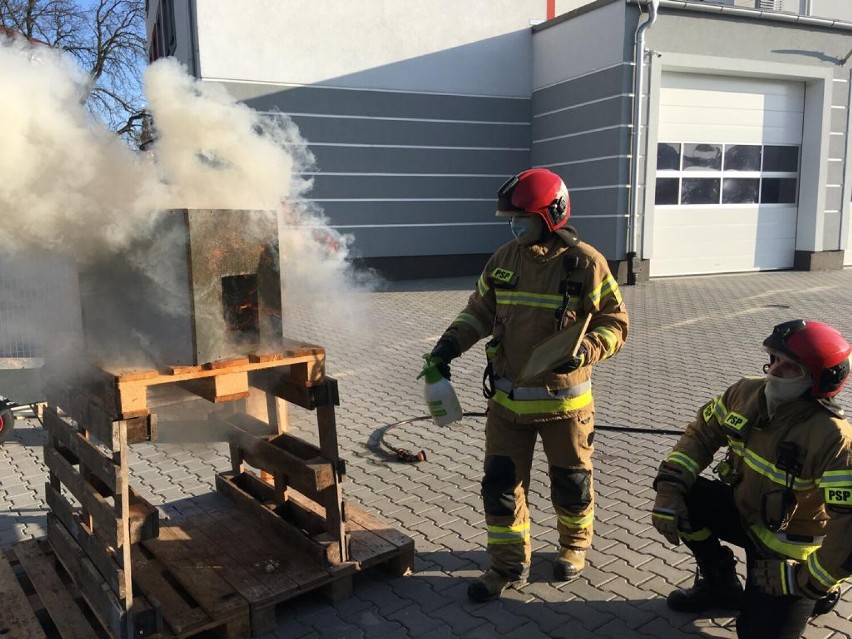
[[439, 394]]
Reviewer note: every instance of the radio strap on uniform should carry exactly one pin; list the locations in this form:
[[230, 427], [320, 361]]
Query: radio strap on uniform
[[491, 349], [488, 381]]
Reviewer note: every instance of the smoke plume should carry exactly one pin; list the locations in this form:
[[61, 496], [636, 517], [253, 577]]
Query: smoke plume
[[71, 188]]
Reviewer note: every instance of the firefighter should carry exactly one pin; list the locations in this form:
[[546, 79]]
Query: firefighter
[[783, 490], [542, 281]]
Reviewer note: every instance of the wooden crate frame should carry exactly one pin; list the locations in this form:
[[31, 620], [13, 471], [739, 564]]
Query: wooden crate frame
[[108, 539]]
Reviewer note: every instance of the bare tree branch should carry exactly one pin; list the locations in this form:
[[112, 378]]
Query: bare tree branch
[[105, 37]]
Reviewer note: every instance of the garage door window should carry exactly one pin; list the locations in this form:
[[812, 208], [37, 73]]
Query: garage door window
[[691, 174]]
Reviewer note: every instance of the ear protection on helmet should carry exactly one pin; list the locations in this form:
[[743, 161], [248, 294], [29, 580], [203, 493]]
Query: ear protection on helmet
[[557, 209], [832, 378]]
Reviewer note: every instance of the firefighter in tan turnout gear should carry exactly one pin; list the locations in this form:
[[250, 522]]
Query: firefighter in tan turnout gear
[[540, 283], [784, 488]]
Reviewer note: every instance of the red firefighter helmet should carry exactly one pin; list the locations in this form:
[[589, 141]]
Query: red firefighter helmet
[[536, 191], [819, 348]]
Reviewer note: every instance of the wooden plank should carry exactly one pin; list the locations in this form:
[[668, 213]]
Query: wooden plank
[[266, 357], [366, 547], [277, 383], [323, 553], [403, 562], [221, 388], [197, 574], [144, 519], [95, 550], [106, 524], [17, 618], [93, 416], [287, 559], [378, 527], [83, 410], [309, 477], [121, 505], [240, 568], [135, 374], [231, 362], [177, 613], [182, 370], [54, 595], [131, 398], [301, 511], [89, 455], [332, 497], [95, 590]]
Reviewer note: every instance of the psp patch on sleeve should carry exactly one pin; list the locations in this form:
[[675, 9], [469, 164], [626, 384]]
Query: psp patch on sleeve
[[838, 496]]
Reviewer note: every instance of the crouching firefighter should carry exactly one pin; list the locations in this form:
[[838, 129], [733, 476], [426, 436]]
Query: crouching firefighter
[[543, 281], [783, 492]]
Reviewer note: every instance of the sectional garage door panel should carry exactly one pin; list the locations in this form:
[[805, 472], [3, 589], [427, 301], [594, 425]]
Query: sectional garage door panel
[[752, 240], [711, 123], [728, 109]]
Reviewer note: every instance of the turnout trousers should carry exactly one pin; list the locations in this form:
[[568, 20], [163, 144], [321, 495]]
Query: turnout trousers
[[711, 508], [509, 448]]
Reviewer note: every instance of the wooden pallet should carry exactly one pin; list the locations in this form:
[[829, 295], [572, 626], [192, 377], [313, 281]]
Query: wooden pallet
[[41, 600], [267, 569], [287, 516]]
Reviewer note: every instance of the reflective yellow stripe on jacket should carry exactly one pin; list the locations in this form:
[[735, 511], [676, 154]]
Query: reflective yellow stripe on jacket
[[524, 298], [686, 461], [509, 534], [536, 406], [820, 573], [780, 544], [606, 287], [467, 318], [609, 339], [766, 468]]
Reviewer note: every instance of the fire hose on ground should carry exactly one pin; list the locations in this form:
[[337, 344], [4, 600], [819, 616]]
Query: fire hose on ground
[[406, 456]]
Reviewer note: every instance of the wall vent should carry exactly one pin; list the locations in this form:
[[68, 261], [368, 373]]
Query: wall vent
[[771, 5]]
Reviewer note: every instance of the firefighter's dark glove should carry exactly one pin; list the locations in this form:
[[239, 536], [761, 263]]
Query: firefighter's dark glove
[[445, 351], [574, 363], [670, 514], [778, 578]]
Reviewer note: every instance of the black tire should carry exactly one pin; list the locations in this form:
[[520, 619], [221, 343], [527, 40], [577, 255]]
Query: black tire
[[7, 422]]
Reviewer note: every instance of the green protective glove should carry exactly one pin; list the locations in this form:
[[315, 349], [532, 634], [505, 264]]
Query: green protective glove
[[670, 514], [779, 577]]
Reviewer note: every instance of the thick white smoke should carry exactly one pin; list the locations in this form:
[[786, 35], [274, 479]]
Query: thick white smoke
[[71, 187]]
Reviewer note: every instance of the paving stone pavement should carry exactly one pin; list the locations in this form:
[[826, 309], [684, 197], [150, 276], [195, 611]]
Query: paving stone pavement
[[690, 338]]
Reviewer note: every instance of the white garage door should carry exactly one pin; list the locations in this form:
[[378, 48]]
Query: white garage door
[[727, 178]]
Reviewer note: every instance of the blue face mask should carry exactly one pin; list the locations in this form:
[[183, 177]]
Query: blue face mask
[[521, 225]]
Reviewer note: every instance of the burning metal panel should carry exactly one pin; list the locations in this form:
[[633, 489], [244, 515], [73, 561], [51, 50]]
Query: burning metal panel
[[204, 286]]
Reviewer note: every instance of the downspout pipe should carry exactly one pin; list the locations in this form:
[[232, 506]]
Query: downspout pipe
[[636, 135]]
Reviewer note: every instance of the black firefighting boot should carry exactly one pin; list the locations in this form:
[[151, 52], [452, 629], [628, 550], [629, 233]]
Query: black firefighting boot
[[716, 586], [491, 584], [568, 564]]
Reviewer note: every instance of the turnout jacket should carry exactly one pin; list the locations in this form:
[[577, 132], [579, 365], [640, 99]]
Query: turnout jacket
[[806, 445], [524, 295]]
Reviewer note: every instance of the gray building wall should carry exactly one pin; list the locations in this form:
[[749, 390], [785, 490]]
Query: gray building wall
[[798, 52], [409, 174], [416, 113], [581, 113]]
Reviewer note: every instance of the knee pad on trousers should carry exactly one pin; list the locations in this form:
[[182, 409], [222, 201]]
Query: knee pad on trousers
[[571, 489], [498, 486]]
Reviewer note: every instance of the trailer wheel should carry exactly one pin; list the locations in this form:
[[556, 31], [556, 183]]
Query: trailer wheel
[[7, 422]]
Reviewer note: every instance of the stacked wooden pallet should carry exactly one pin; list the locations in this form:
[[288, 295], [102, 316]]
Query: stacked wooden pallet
[[283, 529]]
